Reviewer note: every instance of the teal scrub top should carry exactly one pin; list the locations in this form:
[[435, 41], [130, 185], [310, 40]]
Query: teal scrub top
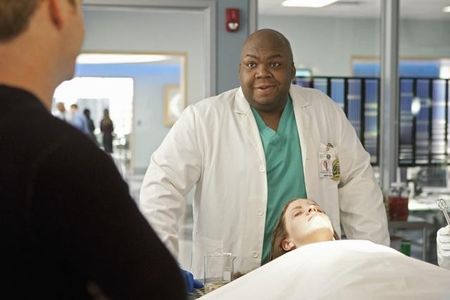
[[284, 167]]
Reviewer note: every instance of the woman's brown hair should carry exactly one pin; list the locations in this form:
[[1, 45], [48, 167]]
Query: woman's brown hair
[[280, 234]]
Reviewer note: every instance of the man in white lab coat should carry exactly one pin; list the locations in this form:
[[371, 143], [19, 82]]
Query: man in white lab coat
[[250, 150]]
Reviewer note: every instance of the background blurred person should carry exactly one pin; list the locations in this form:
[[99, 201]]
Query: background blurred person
[[78, 120], [61, 112], [90, 123], [107, 129]]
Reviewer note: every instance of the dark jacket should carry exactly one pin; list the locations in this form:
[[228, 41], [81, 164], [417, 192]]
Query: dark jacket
[[66, 217]]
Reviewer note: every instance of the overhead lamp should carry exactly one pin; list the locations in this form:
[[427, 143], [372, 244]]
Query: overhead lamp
[[416, 105], [446, 9], [98, 58], [444, 72], [307, 3]]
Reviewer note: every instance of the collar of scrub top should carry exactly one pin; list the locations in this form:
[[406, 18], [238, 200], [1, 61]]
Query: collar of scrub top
[[241, 105], [263, 128]]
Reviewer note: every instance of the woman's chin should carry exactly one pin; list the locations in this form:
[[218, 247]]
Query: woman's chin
[[318, 235]]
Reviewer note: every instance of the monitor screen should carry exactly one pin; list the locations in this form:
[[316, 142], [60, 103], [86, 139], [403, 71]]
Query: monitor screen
[[433, 180]]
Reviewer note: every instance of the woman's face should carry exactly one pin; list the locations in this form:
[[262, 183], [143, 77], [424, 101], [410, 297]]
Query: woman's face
[[306, 222]]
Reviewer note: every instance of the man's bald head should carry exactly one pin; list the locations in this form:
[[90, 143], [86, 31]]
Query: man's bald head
[[266, 71], [268, 38]]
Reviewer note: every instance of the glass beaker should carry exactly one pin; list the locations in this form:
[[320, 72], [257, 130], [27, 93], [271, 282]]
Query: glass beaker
[[218, 270], [398, 202]]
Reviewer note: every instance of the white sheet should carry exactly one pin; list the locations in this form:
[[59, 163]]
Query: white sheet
[[346, 269]]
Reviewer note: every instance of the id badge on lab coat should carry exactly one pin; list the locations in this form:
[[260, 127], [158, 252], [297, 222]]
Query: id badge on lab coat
[[325, 165], [328, 162]]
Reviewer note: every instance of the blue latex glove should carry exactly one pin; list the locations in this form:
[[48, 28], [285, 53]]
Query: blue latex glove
[[190, 282]]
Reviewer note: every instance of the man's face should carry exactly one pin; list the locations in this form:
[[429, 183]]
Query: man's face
[[266, 71], [304, 217]]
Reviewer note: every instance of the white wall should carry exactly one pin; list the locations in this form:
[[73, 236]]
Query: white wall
[[229, 44], [146, 30], [425, 38], [327, 45], [150, 31], [148, 117]]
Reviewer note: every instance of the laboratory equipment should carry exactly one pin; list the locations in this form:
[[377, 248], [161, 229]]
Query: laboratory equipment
[[398, 202], [219, 269], [443, 206], [398, 199]]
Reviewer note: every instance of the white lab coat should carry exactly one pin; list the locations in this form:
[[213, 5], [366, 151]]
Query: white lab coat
[[216, 146]]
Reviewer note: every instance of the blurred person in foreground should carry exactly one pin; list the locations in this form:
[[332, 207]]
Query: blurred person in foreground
[[65, 235]]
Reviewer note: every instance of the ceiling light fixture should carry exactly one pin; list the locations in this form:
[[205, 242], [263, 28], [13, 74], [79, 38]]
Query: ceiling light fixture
[[94, 58], [307, 3], [446, 9]]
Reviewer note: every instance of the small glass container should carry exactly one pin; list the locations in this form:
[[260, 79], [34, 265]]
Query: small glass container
[[398, 202], [219, 269]]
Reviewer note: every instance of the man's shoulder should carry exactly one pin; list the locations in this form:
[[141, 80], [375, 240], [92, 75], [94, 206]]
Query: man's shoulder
[[66, 148], [36, 135], [55, 128], [217, 101], [214, 106], [49, 129], [307, 94], [303, 96]]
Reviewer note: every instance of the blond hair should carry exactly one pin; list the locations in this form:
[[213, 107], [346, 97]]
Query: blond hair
[[15, 17]]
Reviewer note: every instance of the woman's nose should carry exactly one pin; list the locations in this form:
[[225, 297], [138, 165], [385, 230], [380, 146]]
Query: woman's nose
[[313, 208]]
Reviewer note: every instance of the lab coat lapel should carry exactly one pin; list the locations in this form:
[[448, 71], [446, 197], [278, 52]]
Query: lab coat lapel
[[248, 125], [303, 118]]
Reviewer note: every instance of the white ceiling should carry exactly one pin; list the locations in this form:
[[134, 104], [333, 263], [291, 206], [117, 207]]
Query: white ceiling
[[412, 9]]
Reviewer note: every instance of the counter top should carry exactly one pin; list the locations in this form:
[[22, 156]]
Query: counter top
[[427, 202]]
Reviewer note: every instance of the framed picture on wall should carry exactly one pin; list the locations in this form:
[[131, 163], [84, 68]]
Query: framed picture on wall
[[174, 103]]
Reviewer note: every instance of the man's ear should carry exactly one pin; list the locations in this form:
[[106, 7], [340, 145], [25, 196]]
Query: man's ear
[[55, 11], [287, 245], [293, 70]]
